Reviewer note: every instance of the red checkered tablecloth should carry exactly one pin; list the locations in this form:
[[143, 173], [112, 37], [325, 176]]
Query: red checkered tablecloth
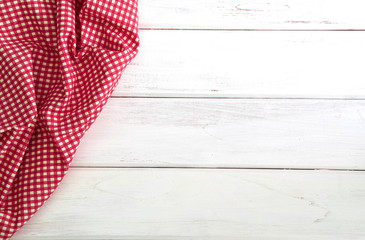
[[60, 62]]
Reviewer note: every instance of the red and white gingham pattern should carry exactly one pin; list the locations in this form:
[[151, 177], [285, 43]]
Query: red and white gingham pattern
[[60, 60]]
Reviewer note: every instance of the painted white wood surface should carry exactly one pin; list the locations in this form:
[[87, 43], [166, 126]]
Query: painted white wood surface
[[203, 53], [253, 14], [324, 64], [202, 204], [261, 133]]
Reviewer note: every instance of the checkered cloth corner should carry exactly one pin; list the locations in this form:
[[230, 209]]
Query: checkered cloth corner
[[60, 61]]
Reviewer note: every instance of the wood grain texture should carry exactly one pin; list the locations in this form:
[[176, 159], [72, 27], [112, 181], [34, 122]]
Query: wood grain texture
[[252, 14], [262, 133], [193, 53], [202, 204], [247, 64]]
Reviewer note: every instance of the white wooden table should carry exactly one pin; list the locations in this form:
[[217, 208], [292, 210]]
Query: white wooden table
[[237, 120]]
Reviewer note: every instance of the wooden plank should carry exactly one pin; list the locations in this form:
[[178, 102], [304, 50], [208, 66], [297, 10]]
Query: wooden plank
[[252, 14], [226, 133], [202, 204], [247, 64]]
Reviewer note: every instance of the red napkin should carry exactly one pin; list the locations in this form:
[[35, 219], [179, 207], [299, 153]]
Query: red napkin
[[60, 62]]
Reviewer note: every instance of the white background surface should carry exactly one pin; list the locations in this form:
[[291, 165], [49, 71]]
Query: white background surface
[[237, 120]]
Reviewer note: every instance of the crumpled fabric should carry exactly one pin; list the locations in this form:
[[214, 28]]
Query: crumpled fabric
[[59, 63]]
